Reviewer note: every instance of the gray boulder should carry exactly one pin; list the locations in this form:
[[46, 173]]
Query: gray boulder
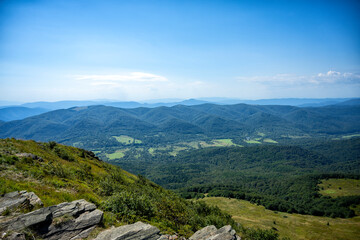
[[16, 199], [212, 233], [26, 220], [72, 208], [136, 231], [76, 228], [69, 220], [204, 233]]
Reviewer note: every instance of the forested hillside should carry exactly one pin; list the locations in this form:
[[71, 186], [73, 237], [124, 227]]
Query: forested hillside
[[96, 127], [282, 178]]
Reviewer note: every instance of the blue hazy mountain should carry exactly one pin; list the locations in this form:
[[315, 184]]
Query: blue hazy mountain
[[303, 102], [184, 122], [17, 113]]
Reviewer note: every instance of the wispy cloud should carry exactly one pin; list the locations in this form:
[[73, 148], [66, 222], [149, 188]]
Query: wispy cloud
[[330, 77], [115, 79], [137, 86]]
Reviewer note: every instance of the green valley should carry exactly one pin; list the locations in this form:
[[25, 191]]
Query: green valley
[[293, 226], [283, 159]]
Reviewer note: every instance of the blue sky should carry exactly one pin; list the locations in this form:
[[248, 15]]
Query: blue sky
[[136, 50]]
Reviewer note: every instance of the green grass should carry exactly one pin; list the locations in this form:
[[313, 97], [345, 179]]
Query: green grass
[[117, 154], [173, 150], [151, 151], [194, 144], [176, 150], [127, 140], [269, 140], [350, 136], [252, 141], [295, 137], [340, 187], [224, 142], [294, 226]]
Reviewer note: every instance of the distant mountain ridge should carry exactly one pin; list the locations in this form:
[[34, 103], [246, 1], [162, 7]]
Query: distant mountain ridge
[[17, 113], [124, 104], [306, 102], [100, 123]]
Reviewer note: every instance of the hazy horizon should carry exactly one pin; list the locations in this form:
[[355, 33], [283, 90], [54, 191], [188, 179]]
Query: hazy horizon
[[141, 50]]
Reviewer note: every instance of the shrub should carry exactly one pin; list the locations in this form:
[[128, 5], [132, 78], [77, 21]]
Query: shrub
[[260, 234], [57, 169], [130, 205], [62, 154]]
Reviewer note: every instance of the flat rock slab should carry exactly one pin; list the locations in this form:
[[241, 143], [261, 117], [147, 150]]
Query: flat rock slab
[[69, 220], [204, 233], [15, 199], [212, 233], [136, 231], [77, 228]]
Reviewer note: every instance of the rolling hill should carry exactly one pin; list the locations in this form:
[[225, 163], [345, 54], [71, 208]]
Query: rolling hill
[[17, 113], [171, 124]]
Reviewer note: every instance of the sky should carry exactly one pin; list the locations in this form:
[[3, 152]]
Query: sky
[[140, 50]]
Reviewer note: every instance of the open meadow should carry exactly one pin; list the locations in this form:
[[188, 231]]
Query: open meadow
[[294, 226]]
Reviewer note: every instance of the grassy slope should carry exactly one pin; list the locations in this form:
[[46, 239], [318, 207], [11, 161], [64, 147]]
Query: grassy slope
[[66, 173], [340, 187], [294, 226]]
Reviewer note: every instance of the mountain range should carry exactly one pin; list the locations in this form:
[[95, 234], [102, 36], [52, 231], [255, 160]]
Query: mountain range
[[167, 124], [17, 112]]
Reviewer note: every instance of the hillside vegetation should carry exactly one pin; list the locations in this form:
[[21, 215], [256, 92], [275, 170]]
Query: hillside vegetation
[[58, 173]]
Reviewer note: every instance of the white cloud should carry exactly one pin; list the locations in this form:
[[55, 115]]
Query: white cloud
[[330, 77], [116, 79], [137, 86]]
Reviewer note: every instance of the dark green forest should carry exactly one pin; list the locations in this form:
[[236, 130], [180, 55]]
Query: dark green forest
[[282, 178]]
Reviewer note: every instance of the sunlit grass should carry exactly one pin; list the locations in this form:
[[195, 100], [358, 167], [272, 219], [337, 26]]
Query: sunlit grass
[[252, 141], [340, 187], [269, 140], [117, 154], [294, 226], [127, 140]]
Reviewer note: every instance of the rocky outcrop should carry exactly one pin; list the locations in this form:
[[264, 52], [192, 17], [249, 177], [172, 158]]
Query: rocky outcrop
[[17, 199], [69, 220], [204, 233], [212, 233], [136, 231], [143, 231], [77, 219]]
